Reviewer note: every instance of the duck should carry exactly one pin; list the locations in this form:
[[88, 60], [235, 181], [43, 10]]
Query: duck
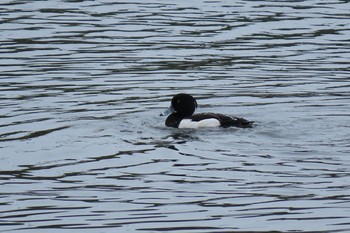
[[181, 115]]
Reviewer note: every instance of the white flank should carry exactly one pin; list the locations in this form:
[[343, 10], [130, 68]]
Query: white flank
[[188, 123]]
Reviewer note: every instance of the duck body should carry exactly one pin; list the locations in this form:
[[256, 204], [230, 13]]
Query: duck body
[[181, 115]]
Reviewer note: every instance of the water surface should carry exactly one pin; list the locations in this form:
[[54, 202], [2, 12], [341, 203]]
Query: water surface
[[83, 147]]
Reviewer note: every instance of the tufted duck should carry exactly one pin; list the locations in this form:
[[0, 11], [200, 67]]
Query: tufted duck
[[181, 115]]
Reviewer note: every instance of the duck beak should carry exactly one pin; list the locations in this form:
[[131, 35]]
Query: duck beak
[[168, 111]]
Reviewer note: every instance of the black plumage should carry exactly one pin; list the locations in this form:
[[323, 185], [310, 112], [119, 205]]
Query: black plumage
[[183, 106]]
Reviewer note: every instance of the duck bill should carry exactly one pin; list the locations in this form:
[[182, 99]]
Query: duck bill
[[168, 111]]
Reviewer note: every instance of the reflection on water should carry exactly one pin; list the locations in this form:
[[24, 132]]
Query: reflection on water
[[83, 147]]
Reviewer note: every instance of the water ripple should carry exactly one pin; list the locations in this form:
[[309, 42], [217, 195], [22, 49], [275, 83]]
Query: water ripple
[[83, 148]]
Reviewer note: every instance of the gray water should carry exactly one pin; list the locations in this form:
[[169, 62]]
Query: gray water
[[82, 145]]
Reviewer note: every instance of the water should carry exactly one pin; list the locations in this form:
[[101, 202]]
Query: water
[[83, 147]]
